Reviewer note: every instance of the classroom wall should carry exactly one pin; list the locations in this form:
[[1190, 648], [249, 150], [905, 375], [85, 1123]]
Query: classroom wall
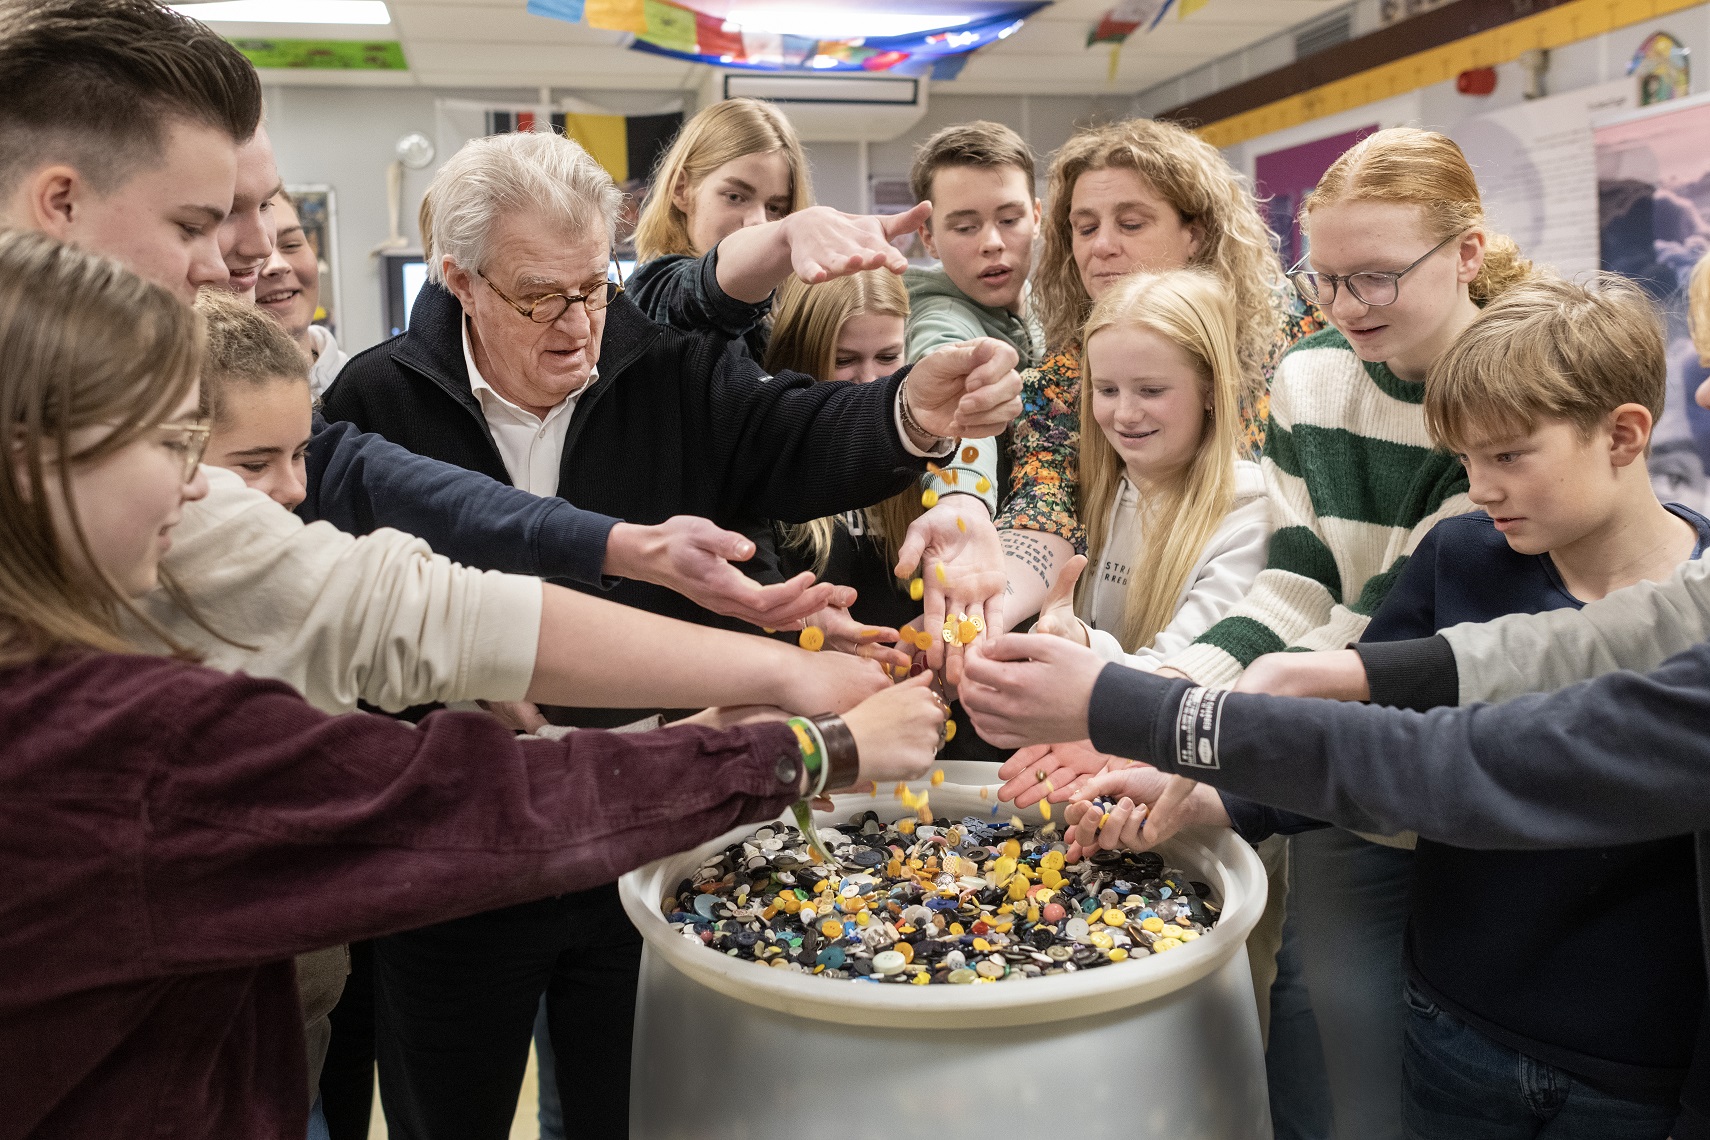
[[1440, 107], [343, 137]]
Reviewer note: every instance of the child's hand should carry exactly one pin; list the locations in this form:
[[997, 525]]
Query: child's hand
[[1057, 613], [1157, 806], [898, 732], [1054, 770]]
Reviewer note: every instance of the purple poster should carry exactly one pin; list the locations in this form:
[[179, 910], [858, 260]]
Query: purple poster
[[1285, 176]]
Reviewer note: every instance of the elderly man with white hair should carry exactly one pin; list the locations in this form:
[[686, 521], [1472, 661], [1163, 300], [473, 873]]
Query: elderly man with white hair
[[523, 362]]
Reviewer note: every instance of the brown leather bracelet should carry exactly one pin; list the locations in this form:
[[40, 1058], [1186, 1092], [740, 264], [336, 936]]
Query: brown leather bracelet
[[842, 758]]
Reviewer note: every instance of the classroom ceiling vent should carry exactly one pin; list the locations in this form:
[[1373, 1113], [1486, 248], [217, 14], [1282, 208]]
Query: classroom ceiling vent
[[830, 108], [1321, 35]]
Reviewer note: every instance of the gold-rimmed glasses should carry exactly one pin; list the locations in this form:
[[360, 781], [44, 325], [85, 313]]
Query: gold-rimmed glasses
[[189, 439], [549, 308]]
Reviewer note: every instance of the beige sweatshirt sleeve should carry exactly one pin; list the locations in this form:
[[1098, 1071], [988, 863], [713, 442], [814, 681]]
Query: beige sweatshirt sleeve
[[379, 618], [1637, 628]]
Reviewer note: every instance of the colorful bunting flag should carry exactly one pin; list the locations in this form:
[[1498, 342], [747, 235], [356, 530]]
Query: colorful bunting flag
[[616, 15]]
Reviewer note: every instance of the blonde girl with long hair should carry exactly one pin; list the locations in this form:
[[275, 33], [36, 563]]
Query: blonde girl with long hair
[[1177, 525], [731, 215], [1127, 197]]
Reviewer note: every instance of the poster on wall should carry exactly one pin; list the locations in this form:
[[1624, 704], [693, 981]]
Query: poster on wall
[[1653, 193], [1536, 165], [1285, 176], [1663, 67], [318, 212]]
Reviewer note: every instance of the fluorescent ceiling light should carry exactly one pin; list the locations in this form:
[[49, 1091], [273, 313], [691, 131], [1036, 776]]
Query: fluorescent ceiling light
[[828, 20], [289, 11]]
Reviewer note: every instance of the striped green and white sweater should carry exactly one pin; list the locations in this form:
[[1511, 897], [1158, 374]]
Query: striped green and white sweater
[[1354, 484]]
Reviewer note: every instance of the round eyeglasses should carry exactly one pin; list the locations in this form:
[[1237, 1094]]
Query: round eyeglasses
[[1368, 287], [549, 308], [189, 440]]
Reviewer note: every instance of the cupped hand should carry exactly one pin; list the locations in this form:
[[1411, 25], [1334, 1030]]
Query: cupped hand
[[816, 683], [1054, 770], [826, 243], [1164, 803], [694, 557], [897, 732], [518, 716], [954, 549], [843, 634], [967, 390], [1025, 688], [1057, 614]]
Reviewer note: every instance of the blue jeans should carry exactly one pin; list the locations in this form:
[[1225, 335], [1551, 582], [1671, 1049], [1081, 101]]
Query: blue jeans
[[550, 1113], [318, 1123], [1294, 1060], [1348, 902], [1458, 1084]]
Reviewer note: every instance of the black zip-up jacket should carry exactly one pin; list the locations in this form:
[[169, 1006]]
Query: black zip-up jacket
[[674, 425]]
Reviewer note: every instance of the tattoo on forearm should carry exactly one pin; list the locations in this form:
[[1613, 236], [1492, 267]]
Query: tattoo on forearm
[[1028, 550]]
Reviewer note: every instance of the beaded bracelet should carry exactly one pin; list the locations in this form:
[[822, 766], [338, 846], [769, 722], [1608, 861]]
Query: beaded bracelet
[[908, 419], [813, 753]]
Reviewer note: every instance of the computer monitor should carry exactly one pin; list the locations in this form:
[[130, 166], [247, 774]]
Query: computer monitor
[[403, 277]]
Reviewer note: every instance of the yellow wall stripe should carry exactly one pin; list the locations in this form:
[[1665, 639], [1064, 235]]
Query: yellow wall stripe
[[1552, 28]]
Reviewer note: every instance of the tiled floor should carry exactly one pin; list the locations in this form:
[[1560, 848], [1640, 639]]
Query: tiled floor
[[524, 1127]]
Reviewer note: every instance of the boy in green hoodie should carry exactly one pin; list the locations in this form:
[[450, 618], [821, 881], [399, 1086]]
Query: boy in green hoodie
[[979, 178]]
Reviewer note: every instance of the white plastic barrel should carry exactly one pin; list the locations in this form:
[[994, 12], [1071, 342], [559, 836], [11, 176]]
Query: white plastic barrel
[[1164, 1046]]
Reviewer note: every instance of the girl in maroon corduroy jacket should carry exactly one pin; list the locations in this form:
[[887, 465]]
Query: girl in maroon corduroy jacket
[[171, 836]]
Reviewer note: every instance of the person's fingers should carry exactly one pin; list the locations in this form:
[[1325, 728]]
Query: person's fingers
[[1110, 832], [896, 225], [934, 580], [1165, 818], [1133, 831], [913, 547], [726, 544], [1063, 589]]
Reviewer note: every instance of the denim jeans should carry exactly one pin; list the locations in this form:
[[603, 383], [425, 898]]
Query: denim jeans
[[1458, 1084], [1294, 1059], [550, 1111], [1349, 902]]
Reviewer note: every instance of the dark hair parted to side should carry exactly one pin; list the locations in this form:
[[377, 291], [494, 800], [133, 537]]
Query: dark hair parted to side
[[97, 83], [981, 144], [245, 347], [1548, 349]]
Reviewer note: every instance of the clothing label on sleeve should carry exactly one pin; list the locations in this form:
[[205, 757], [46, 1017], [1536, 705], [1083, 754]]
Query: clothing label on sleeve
[[1197, 723]]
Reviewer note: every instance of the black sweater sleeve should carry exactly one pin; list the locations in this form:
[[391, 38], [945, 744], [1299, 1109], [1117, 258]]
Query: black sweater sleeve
[[684, 293], [1619, 759], [793, 450], [359, 482]]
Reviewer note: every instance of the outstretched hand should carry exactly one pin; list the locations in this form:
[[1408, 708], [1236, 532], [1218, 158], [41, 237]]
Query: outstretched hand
[[826, 243], [1057, 614], [694, 557], [1026, 688], [843, 634], [1151, 806], [953, 548], [1052, 771], [967, 390]]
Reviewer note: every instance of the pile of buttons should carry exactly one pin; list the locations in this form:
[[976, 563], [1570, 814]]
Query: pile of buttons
[[941, 902]]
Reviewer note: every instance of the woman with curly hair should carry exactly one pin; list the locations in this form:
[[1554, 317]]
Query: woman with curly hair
[[1132, 196]]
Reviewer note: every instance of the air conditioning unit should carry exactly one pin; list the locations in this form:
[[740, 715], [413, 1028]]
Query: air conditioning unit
[[830, 108]]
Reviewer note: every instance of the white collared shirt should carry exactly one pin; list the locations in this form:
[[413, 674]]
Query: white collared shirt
[[532, 447]]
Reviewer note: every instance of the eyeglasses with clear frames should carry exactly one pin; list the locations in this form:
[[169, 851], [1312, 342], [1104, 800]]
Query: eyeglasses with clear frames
[[191, 440], [549, 308], [1368, 287]]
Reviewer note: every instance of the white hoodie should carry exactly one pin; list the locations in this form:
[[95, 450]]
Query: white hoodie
[[1220, 578], [329, 360]]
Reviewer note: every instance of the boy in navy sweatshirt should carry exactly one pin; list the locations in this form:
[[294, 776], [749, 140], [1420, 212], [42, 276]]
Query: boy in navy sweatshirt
[[1556, 991]]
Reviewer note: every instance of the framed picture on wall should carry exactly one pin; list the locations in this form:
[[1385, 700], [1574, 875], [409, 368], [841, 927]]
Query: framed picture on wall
[[317, 209]]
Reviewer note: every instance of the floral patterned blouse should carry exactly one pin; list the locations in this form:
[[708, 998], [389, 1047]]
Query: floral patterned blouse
[[1045, 440]]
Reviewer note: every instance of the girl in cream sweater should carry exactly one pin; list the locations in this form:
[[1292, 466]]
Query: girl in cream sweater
[[1177, 526]]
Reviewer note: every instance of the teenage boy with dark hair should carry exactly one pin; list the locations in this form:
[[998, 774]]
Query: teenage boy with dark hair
[[1549, 400], [979, 178]]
